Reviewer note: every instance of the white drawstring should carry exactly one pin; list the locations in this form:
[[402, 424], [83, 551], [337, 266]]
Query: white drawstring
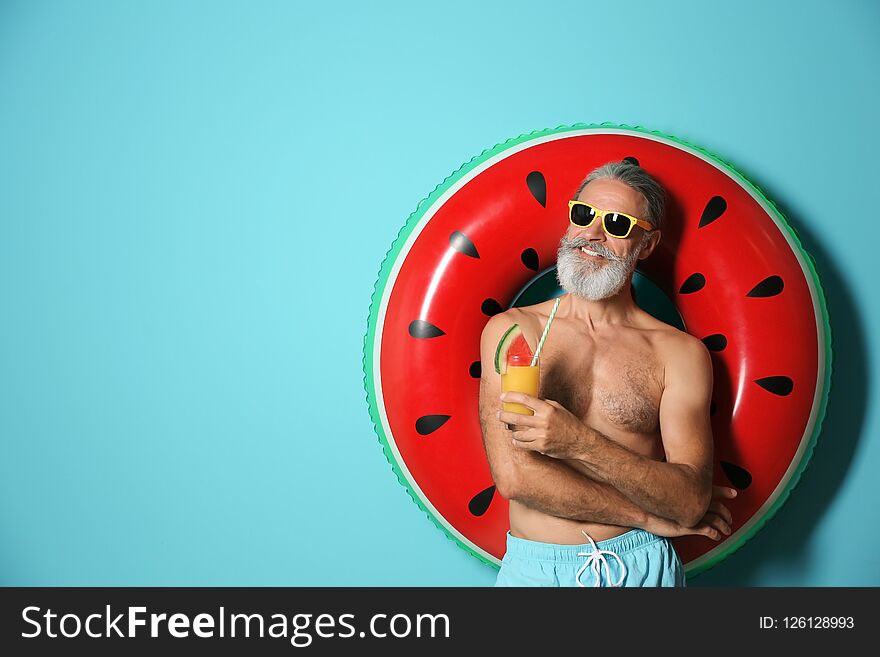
[[594, 560]]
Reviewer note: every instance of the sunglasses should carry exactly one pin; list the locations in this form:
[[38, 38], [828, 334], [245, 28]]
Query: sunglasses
[[615, 224]]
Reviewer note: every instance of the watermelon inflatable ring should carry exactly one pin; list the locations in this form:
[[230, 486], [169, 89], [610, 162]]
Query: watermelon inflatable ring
[[729, 262]]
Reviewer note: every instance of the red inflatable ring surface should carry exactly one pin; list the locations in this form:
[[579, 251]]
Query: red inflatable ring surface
[[728, 260]]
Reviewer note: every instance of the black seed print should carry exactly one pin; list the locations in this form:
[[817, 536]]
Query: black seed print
[[529, 258], [537, 186], [769, 287], [739, 477], [491, 307], [693, 283], [462, 243], [480, 502], [715, 342], [631, 160], [430, 423], [419, 328], [476, 369], [714, 209], [778, 385]]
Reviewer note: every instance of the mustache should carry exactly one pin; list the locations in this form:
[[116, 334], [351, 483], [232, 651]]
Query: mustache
[[601, 249]]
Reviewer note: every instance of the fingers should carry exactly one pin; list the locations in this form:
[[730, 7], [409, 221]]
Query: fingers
[[718, 523], [713, 526], [518, 419], [718, 508], [726, 492], [522, 398], [704, 529]]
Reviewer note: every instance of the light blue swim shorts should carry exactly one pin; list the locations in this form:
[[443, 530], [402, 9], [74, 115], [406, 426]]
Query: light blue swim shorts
[[636, 558]]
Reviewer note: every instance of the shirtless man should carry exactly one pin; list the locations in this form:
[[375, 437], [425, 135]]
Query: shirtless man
[[618, 455]]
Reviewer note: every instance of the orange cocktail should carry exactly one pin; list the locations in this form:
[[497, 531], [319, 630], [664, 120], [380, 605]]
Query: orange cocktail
[[521, 376]]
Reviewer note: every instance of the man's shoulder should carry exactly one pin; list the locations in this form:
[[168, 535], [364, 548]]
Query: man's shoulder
[[674, 340], [682, 351]]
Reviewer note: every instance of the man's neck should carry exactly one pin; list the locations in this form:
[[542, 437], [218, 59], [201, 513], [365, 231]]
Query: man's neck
[[617, 309]]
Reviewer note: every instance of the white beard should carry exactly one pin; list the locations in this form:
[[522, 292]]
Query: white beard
[[592, 279]]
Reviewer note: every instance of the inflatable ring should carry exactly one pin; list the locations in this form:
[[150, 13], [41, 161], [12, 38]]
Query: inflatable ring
[[729, 262]]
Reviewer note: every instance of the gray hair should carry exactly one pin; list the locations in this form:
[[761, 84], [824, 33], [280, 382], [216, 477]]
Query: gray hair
[[631, 174]]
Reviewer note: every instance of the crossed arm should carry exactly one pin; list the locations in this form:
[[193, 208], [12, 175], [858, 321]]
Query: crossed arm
[[556, 464], [543, 483], [679, 488]]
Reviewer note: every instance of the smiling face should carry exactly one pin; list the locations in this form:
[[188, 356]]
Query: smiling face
[[594, 265]]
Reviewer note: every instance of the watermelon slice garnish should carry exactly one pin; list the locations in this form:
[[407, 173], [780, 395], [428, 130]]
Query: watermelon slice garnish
[[512, 343]]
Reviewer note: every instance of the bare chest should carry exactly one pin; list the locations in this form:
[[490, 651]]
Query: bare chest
[[607, 387]]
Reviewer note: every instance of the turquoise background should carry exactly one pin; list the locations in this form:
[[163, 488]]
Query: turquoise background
[[195, 198]]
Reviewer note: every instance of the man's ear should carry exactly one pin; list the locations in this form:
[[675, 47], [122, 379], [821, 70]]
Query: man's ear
[[653, 241]]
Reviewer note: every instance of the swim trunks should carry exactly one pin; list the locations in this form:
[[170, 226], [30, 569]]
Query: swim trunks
[[636, 558]]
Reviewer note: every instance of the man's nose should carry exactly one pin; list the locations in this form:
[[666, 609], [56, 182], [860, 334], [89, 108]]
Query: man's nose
[[593, 232]]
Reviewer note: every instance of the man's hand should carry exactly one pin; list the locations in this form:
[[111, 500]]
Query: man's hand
[[552, 430], [715, 524]]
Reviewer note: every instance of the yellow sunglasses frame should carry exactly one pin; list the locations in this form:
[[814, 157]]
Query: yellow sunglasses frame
[[600, 214]]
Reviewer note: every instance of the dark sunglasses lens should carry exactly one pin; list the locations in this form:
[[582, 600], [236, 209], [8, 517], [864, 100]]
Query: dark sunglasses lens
[[582, 215], [616, 225]]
